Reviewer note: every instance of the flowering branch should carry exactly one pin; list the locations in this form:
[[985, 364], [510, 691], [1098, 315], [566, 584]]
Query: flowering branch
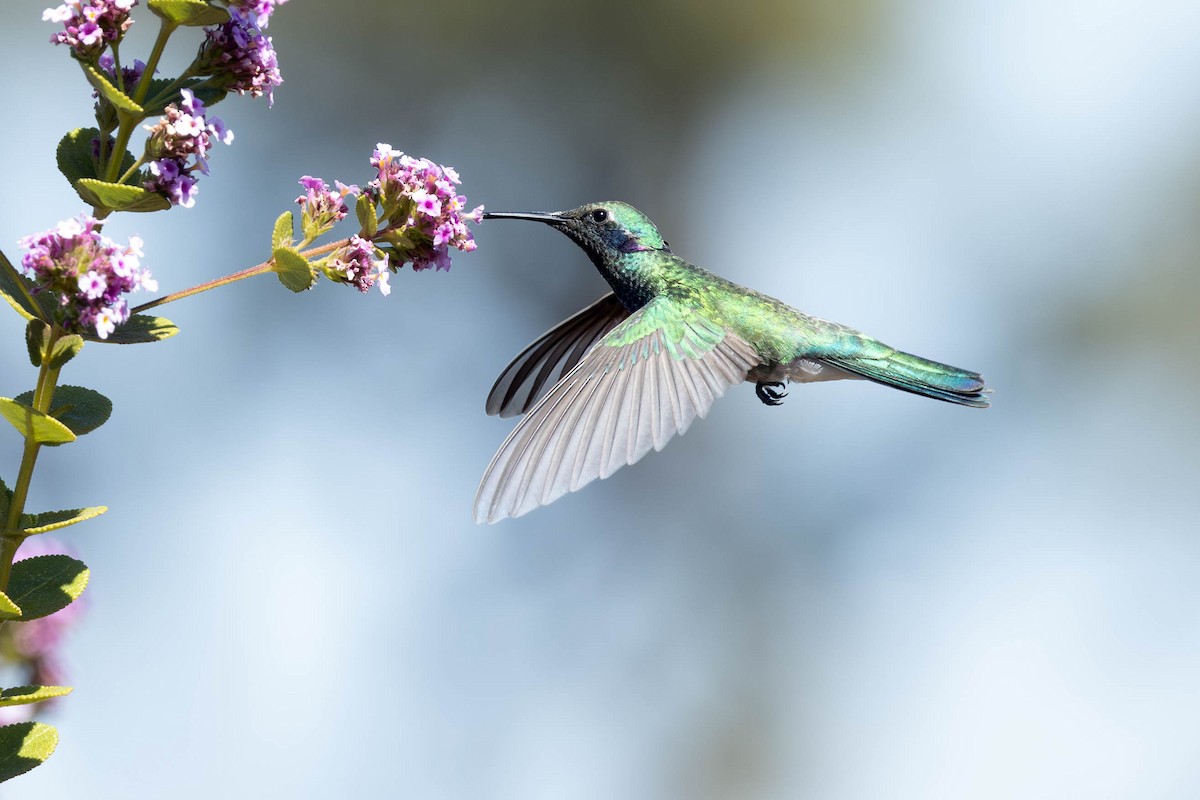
[[74, 281]]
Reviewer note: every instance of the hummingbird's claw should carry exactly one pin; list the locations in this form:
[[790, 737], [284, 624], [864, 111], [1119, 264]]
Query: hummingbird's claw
[[769, 393]]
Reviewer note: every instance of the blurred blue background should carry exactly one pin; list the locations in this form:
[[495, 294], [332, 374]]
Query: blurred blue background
[[861, 594]]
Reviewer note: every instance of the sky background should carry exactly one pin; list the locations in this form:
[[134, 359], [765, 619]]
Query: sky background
[[859, 594]]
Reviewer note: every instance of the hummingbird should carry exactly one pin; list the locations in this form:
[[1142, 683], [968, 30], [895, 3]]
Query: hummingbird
[[624, 375]]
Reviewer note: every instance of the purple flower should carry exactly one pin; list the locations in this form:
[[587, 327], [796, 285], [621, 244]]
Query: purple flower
[[237, 56], [259, 10], [360, 265], [178, 147], [321, 206], [129, 75], [421, 202], [90, 25], [90, 274]]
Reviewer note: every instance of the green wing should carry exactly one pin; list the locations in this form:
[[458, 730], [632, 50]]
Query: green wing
[[647, 380], [550, 357]]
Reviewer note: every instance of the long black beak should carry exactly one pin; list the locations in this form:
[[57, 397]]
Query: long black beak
[[535, 216]]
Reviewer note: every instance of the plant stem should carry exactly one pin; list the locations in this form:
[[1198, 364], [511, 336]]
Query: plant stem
[[164, 33], [12, 538], [258, 269]]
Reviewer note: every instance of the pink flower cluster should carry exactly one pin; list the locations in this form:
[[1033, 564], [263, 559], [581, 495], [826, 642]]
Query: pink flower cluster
[[90, 273], [238, 56], [321, 206], [361, 265], [259, 10], [422, 197], [90, 25], [178, 147]]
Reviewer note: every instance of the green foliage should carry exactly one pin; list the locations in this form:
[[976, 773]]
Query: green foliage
[[24, 746], [368, 217], [18, 291], [160, 98], [191, 13], [37, 339], [33, 424], [43, 585], [66, 348], [24, 695], [281, 236], [5, 499], [122, 103], [8, 609], [53, 520], [119, 196], [74, 154], [138, 329], [82, 410], [293, 269]]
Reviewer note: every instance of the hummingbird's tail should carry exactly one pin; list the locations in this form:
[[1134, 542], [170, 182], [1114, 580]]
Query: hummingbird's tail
[[919, 376]]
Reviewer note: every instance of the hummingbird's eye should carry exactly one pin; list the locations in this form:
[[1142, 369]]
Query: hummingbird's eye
[[599, 215]]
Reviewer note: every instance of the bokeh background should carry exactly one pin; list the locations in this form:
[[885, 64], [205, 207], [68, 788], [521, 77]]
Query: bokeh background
[[861, 594]]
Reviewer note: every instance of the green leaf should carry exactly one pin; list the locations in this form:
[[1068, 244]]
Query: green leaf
[[43, 585], [367, 216], [284, 228], [138, 329], [66, 348], [33, 424], [24, 746], [208, 94], [5, 499], [24, 695], [119, 196], [53, 520], [8, 609], [37, 337], [75, 158], [293, 269], [193, 13], [112, 94], [18, 291], [82, 410]]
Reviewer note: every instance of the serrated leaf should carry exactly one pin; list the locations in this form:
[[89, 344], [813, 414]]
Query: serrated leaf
[[37, 337], [120, 196], [66, 348], [368, 217], [33, 424], [293, 269], [43, 585], [18, 291], [281, 236], [138, 329], [111, 93], [191, 13], [24, 746], [24, 695], [53, 520], [8, 609], [5, 499], [80, 409], [74, 154]]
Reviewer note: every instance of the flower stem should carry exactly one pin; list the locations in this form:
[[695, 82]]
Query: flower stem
[[250, 272], [12, 538], [160, 44]]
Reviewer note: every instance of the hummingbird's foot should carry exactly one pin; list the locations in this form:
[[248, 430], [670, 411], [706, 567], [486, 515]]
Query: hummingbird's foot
[[769, 393]]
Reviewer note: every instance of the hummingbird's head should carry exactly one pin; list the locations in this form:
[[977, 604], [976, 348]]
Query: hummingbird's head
[[607, 228]]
